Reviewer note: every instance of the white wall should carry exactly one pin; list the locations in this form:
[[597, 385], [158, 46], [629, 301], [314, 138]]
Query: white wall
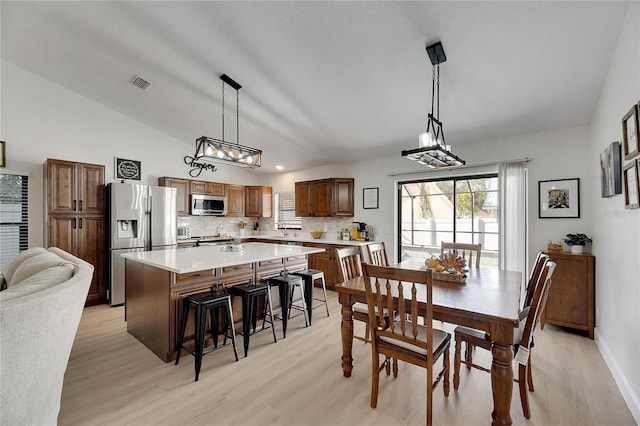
[[42, 120], [616, 231]]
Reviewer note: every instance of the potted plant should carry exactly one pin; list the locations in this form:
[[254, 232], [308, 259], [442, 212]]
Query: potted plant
[[577, 242]]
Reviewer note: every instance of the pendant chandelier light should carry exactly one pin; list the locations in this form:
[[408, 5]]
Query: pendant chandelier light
[[221, 150], [432, 149]]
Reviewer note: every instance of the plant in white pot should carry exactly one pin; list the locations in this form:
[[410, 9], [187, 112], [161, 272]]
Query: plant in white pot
[[577, 242]]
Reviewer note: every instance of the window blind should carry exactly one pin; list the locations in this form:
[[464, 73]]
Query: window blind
[[285, 211], [14, 215]]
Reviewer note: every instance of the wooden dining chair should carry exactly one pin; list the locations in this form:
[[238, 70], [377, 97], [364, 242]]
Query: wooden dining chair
[[405, 339], [523, 338], [534, 275], [377, 254], [533, 280], [468, 251], [350, 266]]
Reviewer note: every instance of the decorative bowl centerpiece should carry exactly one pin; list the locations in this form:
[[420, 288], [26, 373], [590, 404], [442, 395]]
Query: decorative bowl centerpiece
[[451, 267], [317, 234]]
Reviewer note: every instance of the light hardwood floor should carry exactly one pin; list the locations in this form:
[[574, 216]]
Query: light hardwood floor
[[112, 379]]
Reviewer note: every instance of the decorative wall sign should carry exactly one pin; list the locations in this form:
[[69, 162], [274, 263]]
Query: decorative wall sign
[[631, 133], [128, 169], [3, 154], [631, 185], [370, 198], [610, 173], [198, 166], [559, 198]]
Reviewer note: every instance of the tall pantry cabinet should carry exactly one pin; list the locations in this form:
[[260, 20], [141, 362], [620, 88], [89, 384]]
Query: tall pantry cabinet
[[75, 211]]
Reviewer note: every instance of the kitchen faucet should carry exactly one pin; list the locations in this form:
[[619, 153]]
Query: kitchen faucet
[[284, 233]]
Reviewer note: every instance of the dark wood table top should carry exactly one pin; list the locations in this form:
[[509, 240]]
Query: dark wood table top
[[488, 295]]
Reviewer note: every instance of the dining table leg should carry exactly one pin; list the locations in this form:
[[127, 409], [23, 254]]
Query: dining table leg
[[346, 329], [501, 374]]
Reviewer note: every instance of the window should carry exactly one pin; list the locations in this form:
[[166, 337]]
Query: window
[[285, 210], [14, 189], [462, 210]]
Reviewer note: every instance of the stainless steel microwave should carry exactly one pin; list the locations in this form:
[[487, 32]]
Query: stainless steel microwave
[[208, 205]]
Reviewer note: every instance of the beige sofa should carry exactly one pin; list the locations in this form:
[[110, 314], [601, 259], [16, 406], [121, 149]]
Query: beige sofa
[[39, 315]]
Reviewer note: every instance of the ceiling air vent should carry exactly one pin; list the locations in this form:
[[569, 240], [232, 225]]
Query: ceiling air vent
[[140, 82]]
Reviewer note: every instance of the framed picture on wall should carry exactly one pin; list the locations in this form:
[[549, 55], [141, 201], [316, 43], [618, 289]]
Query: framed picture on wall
[[3, 154], [631, 185], [559, 199], [370, 198], [610, 176], [630, 133]]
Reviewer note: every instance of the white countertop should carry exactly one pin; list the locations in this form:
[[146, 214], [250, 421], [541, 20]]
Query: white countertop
[[304, 237], [194, 259]]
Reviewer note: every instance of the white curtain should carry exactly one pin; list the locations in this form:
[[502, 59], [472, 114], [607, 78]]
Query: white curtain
[[513, 243]]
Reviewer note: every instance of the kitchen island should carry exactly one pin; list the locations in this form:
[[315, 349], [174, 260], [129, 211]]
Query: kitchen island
[[156, 281]]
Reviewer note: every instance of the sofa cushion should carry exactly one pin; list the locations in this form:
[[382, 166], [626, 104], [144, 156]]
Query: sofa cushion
[[36, 264], [14, 262], [42, 280]]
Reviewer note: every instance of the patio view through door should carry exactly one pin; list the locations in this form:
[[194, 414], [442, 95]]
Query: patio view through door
[[460, 209]]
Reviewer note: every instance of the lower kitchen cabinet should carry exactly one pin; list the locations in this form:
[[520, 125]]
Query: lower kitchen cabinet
[[571, 299]]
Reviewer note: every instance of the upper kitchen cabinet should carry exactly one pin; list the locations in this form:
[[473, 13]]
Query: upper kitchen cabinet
[[74, 187], [207, 188], [235, 200], [258, 201], [182, 197], [325, 198]]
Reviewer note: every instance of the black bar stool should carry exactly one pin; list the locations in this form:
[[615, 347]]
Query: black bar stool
[[250, 293], [309, 277], [202, 303], [286, 285]]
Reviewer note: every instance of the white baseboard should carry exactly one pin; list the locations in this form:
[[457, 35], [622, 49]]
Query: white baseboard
[[627, 392]]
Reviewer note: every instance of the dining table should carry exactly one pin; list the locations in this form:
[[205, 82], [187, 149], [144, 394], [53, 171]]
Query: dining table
[[488, 300]]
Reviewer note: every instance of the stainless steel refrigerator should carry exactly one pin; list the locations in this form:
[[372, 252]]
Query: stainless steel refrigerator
[[141, 218]]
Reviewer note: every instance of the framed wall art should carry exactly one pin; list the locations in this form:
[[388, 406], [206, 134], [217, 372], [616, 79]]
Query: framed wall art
[[370, 198], [630, 133], [128, 169], [631, 185], [610, 171], [559, 199]]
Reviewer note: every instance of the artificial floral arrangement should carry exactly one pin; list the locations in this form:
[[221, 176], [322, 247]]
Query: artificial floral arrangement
[[448, 267]]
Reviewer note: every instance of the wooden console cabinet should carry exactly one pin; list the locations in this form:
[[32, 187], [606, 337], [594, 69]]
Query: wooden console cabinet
[[571, 300]]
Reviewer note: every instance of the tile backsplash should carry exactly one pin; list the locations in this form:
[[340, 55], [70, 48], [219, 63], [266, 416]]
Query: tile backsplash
[[208, 225]]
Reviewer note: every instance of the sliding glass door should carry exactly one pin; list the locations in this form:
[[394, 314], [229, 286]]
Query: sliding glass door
[[461, 209]]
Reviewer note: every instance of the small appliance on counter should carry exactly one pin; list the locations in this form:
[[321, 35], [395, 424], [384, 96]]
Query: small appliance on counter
[[184, 232], [360, 232]]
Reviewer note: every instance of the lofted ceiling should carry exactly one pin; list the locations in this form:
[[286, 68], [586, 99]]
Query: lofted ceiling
[[324, 82]]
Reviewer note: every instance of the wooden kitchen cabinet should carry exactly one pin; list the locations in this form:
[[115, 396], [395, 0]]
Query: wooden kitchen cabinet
[[182, 196], [76, 217], [258, 201], [331, 197], [206, 188], [571, 299], [326, 261], [235, 200]]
